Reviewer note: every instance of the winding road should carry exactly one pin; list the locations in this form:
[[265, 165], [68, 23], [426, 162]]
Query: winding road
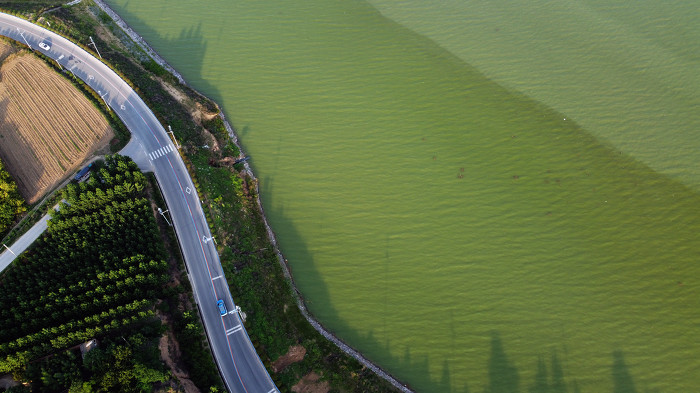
[[239, 364]]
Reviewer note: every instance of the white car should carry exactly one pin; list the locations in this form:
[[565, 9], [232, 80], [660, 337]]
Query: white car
[[44, 46]]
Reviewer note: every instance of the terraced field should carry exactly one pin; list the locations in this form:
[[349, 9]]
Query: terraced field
[[47, 126]]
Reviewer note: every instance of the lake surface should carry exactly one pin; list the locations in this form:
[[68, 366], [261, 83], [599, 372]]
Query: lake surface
[[479, 196]]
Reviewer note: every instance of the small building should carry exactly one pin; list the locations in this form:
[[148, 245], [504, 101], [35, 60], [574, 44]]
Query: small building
[[83, 174], [87, 346]]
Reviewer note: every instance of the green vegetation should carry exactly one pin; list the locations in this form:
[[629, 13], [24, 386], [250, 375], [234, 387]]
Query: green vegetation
[[196, 356], [11, 203], [128, 366], [95, 273], [31, 217], [28, 7]]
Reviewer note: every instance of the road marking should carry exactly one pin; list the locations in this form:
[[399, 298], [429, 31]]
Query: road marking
[[123, 107], [272, 390], [60, 57], [216, 278], [160, 152], [234, 330], [188, 190]]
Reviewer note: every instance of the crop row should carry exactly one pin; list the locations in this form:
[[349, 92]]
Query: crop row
[[67, 303], [65, 336]]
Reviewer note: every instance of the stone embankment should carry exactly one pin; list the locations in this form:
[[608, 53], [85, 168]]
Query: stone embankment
[[138, 39], [273, 239]]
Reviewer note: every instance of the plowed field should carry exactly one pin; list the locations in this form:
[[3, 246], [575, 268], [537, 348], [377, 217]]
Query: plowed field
[[47, 126]]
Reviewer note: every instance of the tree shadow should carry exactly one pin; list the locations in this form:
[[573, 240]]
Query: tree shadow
[[503, 375], [558, 383], [622, 380], [541, 384], [417, 367], [189, 40]]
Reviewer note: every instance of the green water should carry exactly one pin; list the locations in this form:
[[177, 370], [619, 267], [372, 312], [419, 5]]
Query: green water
[[438, 214]]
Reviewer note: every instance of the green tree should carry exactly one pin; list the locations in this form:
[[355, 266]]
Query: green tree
[[11, 203]]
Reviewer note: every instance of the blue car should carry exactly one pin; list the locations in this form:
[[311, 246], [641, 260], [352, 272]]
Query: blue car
[[222, 307]]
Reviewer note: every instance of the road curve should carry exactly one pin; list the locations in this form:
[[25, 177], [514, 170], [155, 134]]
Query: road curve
[[239, 364]]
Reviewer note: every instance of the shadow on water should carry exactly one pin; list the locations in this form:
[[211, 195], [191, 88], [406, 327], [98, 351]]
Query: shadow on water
[[503, 375], [417, 367], [550, 380], [558, 383], [189, 40], [622, 380]]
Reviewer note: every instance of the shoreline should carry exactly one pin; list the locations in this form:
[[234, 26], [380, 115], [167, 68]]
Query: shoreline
[[271, 235]]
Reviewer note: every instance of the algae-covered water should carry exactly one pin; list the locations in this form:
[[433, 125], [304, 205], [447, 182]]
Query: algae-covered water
[[479, 196]]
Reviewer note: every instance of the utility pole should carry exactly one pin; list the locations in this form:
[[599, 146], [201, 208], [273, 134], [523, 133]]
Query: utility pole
[[95, 46], [8, 249], [103, 98], [162, 213], [177, 146], [25, 40]]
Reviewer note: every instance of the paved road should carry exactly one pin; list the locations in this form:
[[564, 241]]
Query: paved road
[[26, 240], [238, 362]]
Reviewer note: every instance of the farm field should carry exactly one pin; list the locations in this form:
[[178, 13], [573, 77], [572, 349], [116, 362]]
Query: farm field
[[47, 126]]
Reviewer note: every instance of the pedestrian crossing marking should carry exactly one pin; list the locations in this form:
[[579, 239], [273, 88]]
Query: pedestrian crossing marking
[[155, 154]]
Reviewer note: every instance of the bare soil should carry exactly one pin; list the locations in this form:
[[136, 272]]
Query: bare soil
[[170, 354], [295, 354], [310, 384], [48, 128], [6, 382], [5, 50]]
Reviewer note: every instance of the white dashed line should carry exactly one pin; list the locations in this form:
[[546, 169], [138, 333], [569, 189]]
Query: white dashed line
[[234, 330], [216, 278]]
